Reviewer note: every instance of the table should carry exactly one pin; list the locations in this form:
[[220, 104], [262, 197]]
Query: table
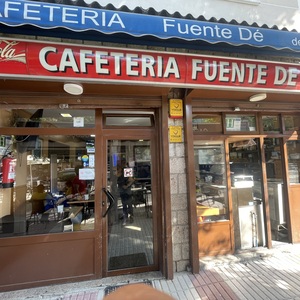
[[80, 201], [72, 211]]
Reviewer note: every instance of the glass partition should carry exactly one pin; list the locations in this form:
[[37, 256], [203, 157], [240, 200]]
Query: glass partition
[[211, 187], [47, 184]]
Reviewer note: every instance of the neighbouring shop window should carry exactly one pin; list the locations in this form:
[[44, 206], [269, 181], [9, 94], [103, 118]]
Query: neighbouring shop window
[[271, 123], [293, 148], [240, 123], [47, 184], [48, 118], [207, 123], [211, 187], [291, 123]]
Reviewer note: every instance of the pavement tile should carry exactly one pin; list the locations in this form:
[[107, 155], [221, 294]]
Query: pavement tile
[[262, 274]]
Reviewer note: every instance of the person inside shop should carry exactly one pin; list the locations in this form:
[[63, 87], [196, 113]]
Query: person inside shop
[[41, 200], [125, 182], [78, 185]]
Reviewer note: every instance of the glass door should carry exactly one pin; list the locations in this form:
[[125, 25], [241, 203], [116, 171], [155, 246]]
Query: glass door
[[130, 216], [246, 189], [293, 158], [276, 189]]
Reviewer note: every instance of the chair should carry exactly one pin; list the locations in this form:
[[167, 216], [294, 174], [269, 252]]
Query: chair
[[37, 208]]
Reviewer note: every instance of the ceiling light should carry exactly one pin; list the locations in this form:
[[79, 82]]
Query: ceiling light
[[73, 88], [258, 97], [66, 115], [237, 108]]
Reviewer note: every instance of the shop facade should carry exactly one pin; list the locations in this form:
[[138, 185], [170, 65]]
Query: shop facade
[[220, 176]]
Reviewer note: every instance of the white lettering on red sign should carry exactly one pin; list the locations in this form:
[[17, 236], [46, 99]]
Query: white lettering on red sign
[[144, 67], [104, 62], [233, 72]]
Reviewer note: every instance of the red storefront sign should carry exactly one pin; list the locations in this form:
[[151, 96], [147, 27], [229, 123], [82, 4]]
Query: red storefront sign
[[85, 63]]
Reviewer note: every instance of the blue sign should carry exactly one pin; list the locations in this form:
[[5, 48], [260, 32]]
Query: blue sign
[[79, 19]]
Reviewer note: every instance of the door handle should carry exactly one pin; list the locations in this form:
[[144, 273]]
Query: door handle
[[111, 200]]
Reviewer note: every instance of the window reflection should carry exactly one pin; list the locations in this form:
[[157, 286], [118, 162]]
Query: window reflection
[[48, 118], [211, 189], [50, 186], [271, 123], [291, 123], [240, 123], [130, 219], [207, 123], [293, 148]]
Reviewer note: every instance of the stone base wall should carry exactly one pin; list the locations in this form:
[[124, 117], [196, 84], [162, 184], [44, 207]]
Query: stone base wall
[[180, 224]]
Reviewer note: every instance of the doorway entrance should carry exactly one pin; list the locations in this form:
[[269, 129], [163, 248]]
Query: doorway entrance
[[277, 195], [248, 195], [130, 219], [247, 192]]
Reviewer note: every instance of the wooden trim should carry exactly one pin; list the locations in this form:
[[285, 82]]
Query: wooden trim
[[266, 211], [287, 190], [191, 186], [229, 193], [30, 101], [166, 193], [100, 170]]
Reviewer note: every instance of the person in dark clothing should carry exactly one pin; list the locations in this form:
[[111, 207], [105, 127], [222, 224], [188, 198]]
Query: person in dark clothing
[[124, 187]]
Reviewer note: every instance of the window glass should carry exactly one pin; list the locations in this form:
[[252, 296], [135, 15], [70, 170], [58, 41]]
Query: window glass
[[291, 123], [128, 121], [130, 220], [48, 118], [47, 184], [293, 148], [240, 123], [271, 123], [211, 187], [207, 123]]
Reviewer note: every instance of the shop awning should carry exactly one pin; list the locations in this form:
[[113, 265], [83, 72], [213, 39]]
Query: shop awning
[[85, 19]]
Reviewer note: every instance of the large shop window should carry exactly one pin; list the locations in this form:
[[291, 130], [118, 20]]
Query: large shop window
[[47, 181], [211, 187]]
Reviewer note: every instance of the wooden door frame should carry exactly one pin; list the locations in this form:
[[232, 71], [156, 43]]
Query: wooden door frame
[[131, 134]]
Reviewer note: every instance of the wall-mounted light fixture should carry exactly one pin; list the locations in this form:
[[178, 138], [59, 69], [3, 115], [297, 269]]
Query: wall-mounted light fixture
[[73, 88], [63, 105], [258, 97]]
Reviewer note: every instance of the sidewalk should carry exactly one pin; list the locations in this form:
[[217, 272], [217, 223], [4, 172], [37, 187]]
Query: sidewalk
[[260, 274]]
